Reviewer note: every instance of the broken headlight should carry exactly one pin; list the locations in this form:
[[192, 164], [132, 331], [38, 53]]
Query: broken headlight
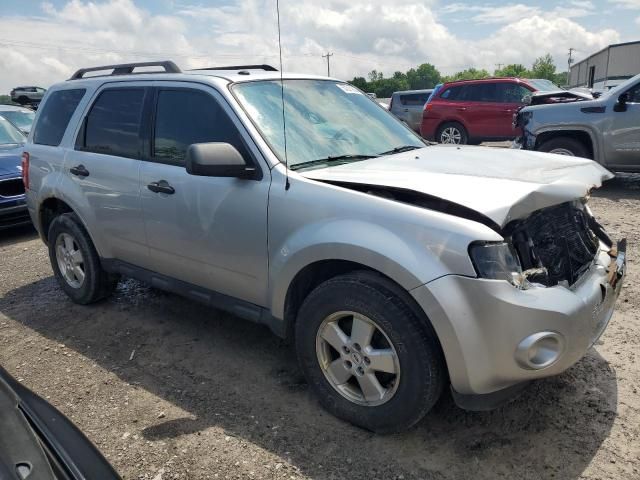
[[497, 261]]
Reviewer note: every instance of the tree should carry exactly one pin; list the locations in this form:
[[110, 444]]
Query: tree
[[359, 82], [513, 70], [544, 67], [561, 79], [468, 74], [425, 76]]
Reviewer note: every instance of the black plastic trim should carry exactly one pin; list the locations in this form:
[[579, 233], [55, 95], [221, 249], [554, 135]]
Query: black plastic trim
[[593, 109], [265, 67], [236, 306], [487, 401]]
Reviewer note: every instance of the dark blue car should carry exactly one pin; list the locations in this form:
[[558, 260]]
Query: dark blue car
[[13, 205]]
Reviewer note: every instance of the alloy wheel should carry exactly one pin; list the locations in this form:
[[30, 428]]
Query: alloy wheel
[[451, 135], [70, 260], [563, 151], [357, 358]]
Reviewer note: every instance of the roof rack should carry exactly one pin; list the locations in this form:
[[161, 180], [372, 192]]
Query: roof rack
[[127, 68], [267, 68]]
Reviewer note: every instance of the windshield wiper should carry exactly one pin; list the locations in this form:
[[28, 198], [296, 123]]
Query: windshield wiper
[[332, 159], [404, 148]]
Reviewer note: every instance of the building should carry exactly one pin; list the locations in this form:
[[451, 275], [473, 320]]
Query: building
[[608, 67]]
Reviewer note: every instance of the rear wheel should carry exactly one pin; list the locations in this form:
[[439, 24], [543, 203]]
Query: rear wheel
[[452, 133], [565, 146], [75, 262], [366, 355]]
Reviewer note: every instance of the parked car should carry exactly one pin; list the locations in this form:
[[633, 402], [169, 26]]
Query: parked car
[[407, 106], [396, 268], [605, 129], [39, 442], [21, 117], [473, 111], [13, 206], [27, 95]]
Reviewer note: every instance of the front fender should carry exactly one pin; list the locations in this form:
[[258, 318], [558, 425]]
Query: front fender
[[409, 261], [537, 130]]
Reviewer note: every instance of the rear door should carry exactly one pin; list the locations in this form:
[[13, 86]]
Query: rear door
[[481, 110], [622, 138], [414, 106], [210, 231], [105, 167], [511, 97]]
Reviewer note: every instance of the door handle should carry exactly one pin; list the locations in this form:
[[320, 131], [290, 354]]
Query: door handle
[[161, 187], [406, 109], [79, 171], [461, 109]]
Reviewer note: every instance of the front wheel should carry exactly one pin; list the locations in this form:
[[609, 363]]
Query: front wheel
[[366, 355], [452, 133], [565, 146]]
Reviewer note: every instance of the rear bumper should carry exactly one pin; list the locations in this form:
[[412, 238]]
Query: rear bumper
[[488, 328]]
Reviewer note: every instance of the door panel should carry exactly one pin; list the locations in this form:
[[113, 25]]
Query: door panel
[[211, 231], [622, 147]]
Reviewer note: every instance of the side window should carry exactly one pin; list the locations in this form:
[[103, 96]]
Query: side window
[[112, 126], [55, 115], [184, 117], [634, 94], [414, 99], [512, 93], [453, 93]]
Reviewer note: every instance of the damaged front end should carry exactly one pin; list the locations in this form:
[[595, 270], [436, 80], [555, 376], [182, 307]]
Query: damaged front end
[[556, 245]]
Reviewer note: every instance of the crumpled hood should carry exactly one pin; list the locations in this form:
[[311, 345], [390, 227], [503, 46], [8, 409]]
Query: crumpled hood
[[11, 161], [502, 184]]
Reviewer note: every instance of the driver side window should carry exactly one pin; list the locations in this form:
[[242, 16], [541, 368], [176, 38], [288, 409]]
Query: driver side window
[[634, 94]]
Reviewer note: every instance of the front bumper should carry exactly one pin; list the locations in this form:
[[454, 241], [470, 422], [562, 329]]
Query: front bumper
[[481, 323], [14, 213]]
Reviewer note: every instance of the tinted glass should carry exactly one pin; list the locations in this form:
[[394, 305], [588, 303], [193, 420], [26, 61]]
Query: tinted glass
[[481, 92], [113, 124], [184, 117], [414, 99], [453, 93], [634, 94], [55, 115], [512, 93]]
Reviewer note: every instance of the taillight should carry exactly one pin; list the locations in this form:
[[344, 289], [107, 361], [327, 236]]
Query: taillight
[[25, 169], [428, 106]]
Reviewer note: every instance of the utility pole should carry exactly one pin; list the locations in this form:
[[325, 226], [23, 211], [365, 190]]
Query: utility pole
[[328, 56], [499, 65], [569, 62]]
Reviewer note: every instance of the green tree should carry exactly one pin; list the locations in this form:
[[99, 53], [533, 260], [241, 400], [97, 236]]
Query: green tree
[[360, 82], [544, 67], [425, 76], [561, 79], [468, 74], [513, 70]]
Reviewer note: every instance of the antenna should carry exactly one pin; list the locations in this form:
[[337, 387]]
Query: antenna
[[284, 120]]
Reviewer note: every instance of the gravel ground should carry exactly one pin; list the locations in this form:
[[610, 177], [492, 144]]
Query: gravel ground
[[169, 389]]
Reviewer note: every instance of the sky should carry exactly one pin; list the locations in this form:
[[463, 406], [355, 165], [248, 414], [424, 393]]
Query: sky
[[42, 43]]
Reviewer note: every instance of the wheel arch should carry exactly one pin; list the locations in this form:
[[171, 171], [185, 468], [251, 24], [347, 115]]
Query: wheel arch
[[583, 135], [444, 121]]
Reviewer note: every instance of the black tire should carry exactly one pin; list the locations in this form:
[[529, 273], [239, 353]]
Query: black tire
[[565, 146], [421, 363], [452, 126], [97, 283], [22, 100]]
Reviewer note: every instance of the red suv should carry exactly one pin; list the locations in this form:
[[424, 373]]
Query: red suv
[[473, 111]]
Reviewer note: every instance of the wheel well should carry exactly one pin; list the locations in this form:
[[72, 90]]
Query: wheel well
[[444, 122], [579, 135], [50, 209]]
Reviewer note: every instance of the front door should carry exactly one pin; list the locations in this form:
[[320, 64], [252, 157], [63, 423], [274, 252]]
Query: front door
[[208, 231], [622, 138]]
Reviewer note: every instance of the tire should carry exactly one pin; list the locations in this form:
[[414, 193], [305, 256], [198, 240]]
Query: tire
[[66, 238], [22, 100], [409, 344], [452, 133], [565, 146]]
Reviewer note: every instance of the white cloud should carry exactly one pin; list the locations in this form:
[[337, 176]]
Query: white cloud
[[362, 34], [638, 20], [631, 4]]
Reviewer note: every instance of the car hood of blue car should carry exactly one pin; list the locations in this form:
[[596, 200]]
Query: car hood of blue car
[[11, 160]]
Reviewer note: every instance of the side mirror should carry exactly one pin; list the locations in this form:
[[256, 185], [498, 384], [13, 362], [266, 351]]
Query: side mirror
[[217, 160], [621, 105]]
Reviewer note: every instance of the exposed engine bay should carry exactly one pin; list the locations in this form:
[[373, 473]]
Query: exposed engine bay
[[556, 244]]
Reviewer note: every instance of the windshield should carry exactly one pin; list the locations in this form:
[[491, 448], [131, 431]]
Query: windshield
[[618, 89], [543, 85], [10, 134], [23, 119], [325, 119]]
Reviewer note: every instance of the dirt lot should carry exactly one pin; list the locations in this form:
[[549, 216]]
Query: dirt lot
[[169, 389]]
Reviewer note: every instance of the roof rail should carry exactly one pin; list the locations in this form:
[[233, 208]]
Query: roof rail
[[127, 68], [267, 68]]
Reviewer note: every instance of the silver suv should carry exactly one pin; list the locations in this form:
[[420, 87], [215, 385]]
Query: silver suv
[[27, 95], [606, 129], [297, 202]]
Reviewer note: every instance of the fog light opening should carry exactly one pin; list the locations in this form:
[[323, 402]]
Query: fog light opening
[[539, 350]]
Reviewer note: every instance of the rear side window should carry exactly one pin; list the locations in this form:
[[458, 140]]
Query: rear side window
[[512, 93], [55, 115], [414, 99], [112, 126], [453, 93], [184, 117]]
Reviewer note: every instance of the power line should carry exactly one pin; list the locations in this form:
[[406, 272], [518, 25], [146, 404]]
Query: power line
[[328, 56]]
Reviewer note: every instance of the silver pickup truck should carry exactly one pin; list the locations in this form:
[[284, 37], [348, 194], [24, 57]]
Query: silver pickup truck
[[605, 129]]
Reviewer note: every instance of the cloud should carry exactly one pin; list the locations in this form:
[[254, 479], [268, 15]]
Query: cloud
[[638, 20], [363, 35], [630, 4]]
